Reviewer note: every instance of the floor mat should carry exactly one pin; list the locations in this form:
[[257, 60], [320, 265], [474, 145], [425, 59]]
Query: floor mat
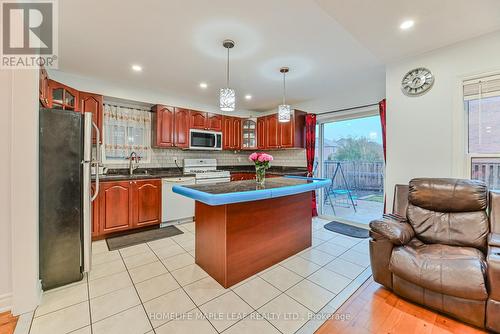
[[346, 229], [135, 238]]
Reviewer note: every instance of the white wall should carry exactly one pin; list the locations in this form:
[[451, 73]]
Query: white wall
[[423, 138]]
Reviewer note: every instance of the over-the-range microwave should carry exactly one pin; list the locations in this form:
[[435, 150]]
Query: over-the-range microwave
[[205, 140]]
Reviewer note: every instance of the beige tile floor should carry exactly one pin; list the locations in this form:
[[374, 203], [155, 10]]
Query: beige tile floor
[[157, 288]]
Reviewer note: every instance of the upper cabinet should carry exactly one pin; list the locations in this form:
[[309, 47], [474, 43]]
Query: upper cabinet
[[231, 133], [205, 121], [43, 86], [62, 96], [249, 134], [273, 134], [181, 126], [163, 126], [214, 122], [92, 103]]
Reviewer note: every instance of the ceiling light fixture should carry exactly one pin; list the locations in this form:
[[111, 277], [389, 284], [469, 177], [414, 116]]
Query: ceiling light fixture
[[227, 97], [137, 68], [203, 85], [248, 97], [407, 24], [284, 109]]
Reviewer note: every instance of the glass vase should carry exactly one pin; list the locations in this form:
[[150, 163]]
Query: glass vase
[[260, 174]]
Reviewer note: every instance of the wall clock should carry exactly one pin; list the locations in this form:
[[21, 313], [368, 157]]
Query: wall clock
[[417, 82]]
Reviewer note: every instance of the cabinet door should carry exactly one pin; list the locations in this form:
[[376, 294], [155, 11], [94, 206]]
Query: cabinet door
[[198, 120], [272, 132], [43, 87], [214, 122], [286, 134], [92, 103], [181, 128], [62, 96], [261, 133], [227, 133], [163, 126], [147, 202], [237, 133], [115, 212]]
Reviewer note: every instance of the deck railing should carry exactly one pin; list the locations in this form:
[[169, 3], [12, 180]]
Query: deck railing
[[360, 175], [489, 172]]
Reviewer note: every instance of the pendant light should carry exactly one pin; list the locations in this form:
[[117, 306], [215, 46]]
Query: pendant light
[[284, 109], [227, 97]]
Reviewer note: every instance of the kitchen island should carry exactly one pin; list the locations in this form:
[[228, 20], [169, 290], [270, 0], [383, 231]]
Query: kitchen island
[[243, 228]]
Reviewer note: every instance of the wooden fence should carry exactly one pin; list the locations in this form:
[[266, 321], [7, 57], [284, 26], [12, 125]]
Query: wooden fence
[[360, 175]]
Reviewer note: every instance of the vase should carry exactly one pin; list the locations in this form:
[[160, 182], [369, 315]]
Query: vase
[[260, 174]]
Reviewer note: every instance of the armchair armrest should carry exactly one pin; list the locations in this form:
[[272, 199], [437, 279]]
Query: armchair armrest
[[395, 228], [494, 240]]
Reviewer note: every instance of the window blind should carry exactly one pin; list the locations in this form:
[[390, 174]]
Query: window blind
[[482, 87]]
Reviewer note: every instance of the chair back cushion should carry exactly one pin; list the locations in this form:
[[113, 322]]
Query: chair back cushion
[[449, 211]]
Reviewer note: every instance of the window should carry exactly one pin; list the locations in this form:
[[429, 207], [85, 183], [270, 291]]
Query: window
[[482, 107], [126, 130]]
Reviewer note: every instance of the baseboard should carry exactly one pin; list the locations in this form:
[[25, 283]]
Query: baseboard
[[5, 302]]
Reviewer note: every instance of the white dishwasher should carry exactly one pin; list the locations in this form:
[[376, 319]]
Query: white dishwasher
[[176, 208]]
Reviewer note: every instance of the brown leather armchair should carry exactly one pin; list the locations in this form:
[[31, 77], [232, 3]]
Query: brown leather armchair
[[441, 248]]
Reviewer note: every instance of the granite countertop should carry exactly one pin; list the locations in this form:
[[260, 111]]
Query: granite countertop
[[248, 190], [140, 174], [277, 170]]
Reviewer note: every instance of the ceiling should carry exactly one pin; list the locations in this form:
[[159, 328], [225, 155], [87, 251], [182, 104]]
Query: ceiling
[[330, 45]]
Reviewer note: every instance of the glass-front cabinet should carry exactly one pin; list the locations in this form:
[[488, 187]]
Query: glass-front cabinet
[[249, 132], [62, 96]]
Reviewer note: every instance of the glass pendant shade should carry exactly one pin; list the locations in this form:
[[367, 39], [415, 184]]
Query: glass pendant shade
[[227, 99], [284, 112]]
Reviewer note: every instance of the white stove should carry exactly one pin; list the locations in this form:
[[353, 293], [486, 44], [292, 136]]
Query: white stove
[[205, 171]]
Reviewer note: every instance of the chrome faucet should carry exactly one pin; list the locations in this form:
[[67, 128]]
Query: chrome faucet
[[133, 157]]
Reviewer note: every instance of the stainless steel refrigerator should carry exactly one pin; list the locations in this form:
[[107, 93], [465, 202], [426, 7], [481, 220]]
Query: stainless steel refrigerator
[[65, 211]]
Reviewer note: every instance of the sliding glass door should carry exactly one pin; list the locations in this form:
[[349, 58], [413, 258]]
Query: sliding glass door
[[350, 152]]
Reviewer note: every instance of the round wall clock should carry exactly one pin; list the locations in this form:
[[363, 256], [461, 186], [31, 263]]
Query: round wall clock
[[417, 82]]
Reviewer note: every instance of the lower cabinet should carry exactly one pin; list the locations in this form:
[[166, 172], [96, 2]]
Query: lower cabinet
[[125, 205]]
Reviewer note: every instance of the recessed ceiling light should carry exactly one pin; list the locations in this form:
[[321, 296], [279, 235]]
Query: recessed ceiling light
[[248, 97], [203, 85], [137, 68], [407, 24]]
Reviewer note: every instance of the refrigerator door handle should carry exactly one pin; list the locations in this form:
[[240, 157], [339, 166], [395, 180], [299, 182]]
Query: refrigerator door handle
[[97, 162]]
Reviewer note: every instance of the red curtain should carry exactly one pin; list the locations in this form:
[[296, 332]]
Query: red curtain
[[382, 110], [310, 149]]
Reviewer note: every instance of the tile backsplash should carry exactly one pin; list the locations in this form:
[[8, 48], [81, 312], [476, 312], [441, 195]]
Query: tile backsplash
[[165, 158]]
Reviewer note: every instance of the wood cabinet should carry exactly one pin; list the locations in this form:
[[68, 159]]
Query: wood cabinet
[[43, 86], [249, 134], [125, 205], [62, 96], [231, 133], [214, 122], [205, 121], [92, 103], [163, 126], [181, 128], [272, 134]]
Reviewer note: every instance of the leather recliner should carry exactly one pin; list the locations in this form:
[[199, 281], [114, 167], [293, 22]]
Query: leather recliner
[[441, 248]]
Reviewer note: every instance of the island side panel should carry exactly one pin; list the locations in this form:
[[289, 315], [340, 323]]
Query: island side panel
[[210, 240], [260, 234]]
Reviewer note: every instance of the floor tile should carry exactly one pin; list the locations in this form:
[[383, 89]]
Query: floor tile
[[189, 274], [323, 234], [285, 314], [345, 268], [106, 269], [147, 271], [331, 248], [188, 245], [188, 323], [204, 290], [104, 285], [105, 257], [257, 292], [316, 242], [84, 330], [161, 243], [168, 306], [56, 300], [281, 278], [156, 286], [63, 321], [310, 295], [183, 237], [252, 324], [134, 250], [301, 266], [316, 256], [99, 247], [169, 251], [178, 261], [226, 310], [345, 241], [329, 280], [139, 259], [113, 303], [363, 247], [131, 321], [357, 258]]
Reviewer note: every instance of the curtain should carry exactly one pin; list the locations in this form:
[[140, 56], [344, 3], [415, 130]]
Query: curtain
[[310, 150], [382, 111], [126, 130]]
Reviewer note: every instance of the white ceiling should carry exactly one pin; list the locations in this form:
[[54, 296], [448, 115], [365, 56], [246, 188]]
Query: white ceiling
[[330, 46]]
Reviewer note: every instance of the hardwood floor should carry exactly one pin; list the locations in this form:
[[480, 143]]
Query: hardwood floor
[[7, 323], [374, 309]]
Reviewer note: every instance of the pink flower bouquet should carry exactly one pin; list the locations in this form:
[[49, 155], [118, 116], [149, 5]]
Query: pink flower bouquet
[[261, 161]]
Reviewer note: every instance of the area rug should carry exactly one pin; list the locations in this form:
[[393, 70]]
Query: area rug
[[346, 229], [135, 238]]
